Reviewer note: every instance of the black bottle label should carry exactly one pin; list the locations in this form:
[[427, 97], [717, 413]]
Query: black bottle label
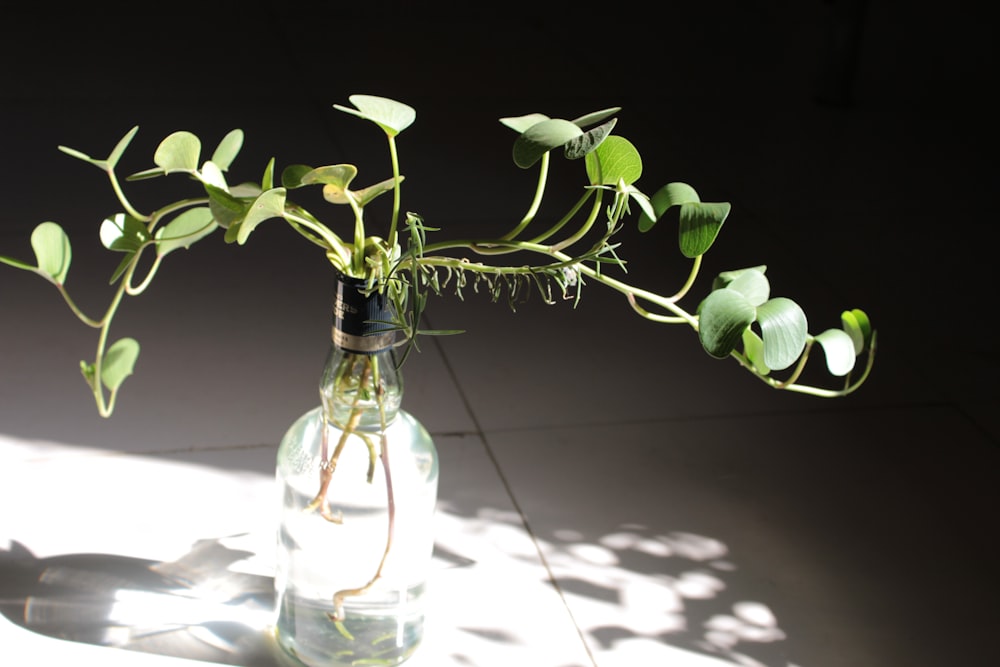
[[362, 322]]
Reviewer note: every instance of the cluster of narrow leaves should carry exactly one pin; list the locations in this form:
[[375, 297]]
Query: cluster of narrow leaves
[[738, 318]]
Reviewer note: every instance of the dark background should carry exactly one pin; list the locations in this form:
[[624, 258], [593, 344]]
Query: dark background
[[854, 139]]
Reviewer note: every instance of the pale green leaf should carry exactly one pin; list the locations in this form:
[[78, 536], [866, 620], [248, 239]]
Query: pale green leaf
[[700, 223], [79, 155], [122, 267], [642, 200], [52, 250], [87, 369], [521, 123], [752, 284], [233, 232], [145, 174], [292, 175], [123, 233], [619, 162], [119, 362], [839, 350], [228, 149], [336, 178], [116, 153], [542, 137], [722, 318], [211, 175], [226, 209], [671, 194], [119, 149], [753, 348], [857, 326], [188, 227], [783, 328], [267, 179], [246, 190], [270, 204], [392, 116], [595, 117], [365, 195], [727, 277], [180, 151]]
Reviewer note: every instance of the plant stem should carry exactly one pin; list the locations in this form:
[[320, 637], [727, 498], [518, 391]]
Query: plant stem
[[536, 201], [347, 430], [120, 193], [580, 233], [106, 408], [396, 195], [72, 305], [338, 598]]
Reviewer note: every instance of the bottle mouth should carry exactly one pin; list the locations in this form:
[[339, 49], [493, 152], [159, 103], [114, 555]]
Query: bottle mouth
[[362, 322]]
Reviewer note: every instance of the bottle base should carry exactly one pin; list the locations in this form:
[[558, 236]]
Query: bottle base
[[314, 640]]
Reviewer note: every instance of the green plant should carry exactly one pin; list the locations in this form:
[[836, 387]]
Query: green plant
[[410, 267], [556, 258]]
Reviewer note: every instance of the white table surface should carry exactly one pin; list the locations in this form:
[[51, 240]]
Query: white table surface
[[85, 520]]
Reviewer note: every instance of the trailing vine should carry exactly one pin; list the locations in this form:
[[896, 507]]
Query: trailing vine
[[738, 318]]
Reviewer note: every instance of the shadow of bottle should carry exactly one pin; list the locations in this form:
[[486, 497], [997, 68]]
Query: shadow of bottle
[[195, 607]]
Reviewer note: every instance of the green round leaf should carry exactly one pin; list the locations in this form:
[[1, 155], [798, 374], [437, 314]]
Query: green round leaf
[[619, 161], [210, 174], [337, 175], [270, 204], [753, 348], [521, 123], [640, 198], [123, 233], [671, 194], [595, 117], [180, 151], [839, 350], [119, 362], [226, 208], [783, 329], [292, 175], [188, 227], [365, 195], [700, 223], [392, 116], [228, 149], [722, 318], [752, 284], [857, 326], [725, 278], [542, 137], [52, 250]]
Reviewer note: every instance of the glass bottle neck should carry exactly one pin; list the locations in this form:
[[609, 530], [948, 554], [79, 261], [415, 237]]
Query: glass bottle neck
[[365, 390], [361, 386]]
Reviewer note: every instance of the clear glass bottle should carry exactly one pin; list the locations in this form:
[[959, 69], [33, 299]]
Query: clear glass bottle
[[358, 482]]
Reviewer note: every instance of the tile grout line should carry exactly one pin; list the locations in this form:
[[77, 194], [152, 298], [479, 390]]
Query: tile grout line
[[517, 506]]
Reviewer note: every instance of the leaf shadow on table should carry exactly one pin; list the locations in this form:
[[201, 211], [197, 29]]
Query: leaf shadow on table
[[195, 607], [636, 591]]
